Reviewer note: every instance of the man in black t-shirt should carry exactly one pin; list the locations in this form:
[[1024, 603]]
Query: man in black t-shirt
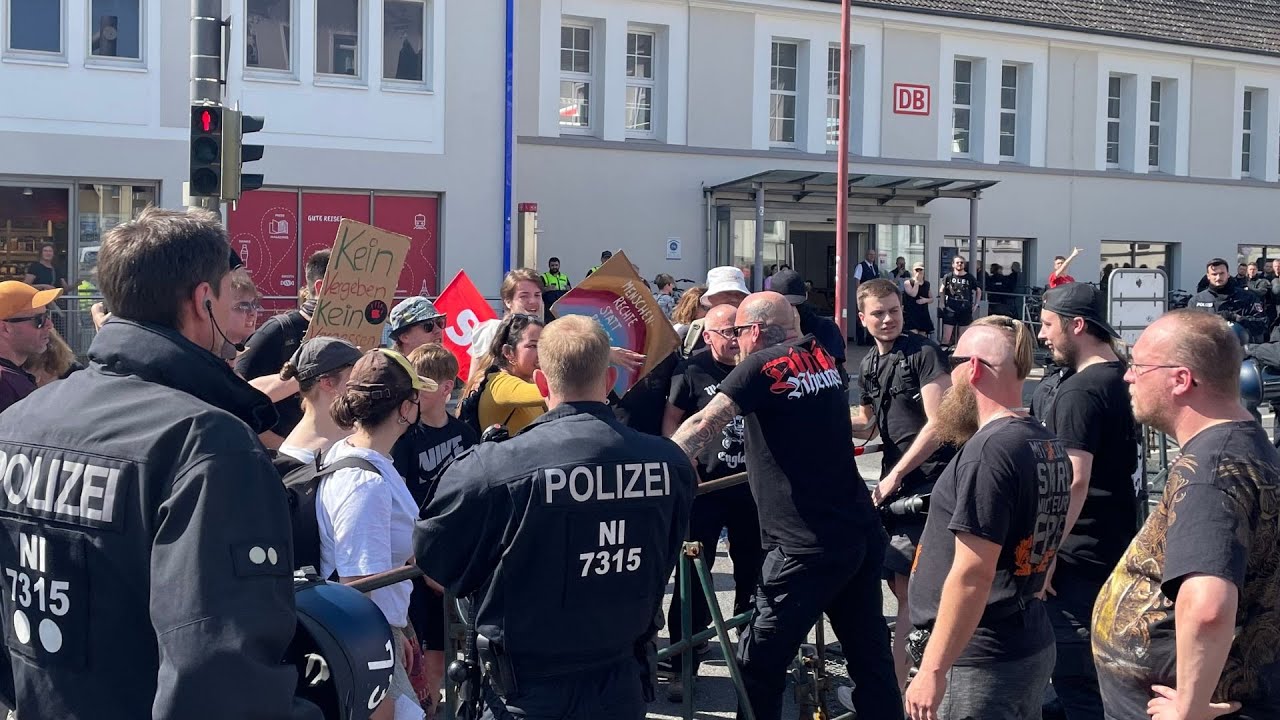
[[692, 388], [420, 456], [823, 537], [959, 294], [1089, 412], [902, 381], [995, 521], [1186, 626], [274, 343]]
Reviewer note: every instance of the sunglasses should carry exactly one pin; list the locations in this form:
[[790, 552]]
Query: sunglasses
[[37, 321], [436, 322], [737, 330], [956, 361]]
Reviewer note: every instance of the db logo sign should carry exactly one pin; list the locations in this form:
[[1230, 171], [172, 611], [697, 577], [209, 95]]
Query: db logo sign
[[911, 99]]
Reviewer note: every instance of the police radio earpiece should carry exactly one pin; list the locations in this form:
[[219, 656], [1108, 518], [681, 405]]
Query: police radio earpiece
[[208, 306]]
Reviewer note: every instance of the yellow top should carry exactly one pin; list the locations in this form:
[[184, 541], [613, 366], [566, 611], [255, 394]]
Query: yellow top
[[507, 396]]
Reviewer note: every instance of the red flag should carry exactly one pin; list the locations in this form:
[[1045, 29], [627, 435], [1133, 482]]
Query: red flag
[[466, 308]]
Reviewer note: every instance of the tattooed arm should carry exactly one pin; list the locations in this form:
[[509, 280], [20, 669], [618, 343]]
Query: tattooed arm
[[696, 432]]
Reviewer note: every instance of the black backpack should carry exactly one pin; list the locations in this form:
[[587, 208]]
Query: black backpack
[[302, 484], [469, 408]]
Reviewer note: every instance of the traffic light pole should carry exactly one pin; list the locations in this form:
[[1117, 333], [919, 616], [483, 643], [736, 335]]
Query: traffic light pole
[[206, 67]]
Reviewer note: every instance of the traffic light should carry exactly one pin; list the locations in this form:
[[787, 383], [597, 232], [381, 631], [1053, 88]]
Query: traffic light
[[235, 154], [206, 151]]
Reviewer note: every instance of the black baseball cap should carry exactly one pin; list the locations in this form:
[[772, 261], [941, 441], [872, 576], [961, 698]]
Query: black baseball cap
[[321, 355], [1077, 300], [789, 285]]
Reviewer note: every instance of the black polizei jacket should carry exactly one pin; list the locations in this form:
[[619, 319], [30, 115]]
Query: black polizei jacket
[[145, 541], [566, 534], [1236, 304]]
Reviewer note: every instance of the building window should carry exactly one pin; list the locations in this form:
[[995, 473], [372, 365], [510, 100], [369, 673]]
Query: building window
[[338, 37], [267, 39], [404, 40], [833, 95], [35, 26], [1153, 132], [1114, 89], [575, 77], [784, 71], [962, 108], [640, 83], [115, 29], [1246, 133], [1009, 112]]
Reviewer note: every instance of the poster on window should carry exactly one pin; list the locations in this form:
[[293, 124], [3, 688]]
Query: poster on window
[[323, 212], [263, 230], [415, 217]]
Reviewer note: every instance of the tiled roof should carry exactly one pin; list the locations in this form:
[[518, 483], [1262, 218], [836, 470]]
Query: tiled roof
[[1251, 26]]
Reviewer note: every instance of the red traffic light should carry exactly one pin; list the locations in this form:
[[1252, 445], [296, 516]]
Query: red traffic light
[[206, 120]]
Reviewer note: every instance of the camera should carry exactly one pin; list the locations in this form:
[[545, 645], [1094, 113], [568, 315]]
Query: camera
[[906, 507]]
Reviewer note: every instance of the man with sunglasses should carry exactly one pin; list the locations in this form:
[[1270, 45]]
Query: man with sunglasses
[[24, 333], [1086, 405], [415, 322], [825, 546], [995, 521], [1185, 627]]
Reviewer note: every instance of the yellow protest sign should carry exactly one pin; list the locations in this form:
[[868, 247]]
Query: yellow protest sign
[[360, 284]]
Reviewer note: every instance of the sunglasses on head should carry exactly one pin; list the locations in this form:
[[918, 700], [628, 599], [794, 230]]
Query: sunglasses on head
[[37, 321]]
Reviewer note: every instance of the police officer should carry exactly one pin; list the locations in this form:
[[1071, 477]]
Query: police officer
[[565, 535], [1231, 302], [553, 279], [604, 258], [903, 381], [145, 536]]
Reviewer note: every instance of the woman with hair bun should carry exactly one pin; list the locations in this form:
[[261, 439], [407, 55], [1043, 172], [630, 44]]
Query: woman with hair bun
[[366, 517]]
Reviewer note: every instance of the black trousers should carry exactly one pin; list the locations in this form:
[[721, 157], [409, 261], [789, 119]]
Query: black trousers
[[1075, 679], [735, 510], [795, 590], [613, 692]]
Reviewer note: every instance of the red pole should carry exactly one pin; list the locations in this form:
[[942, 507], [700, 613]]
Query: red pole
[[842, 177]]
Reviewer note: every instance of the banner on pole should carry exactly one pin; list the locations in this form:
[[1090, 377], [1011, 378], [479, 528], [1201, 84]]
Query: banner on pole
[[466, 309], [360, 284], [619, 300]]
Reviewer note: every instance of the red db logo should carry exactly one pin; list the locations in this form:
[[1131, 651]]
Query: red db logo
[[911, 99]]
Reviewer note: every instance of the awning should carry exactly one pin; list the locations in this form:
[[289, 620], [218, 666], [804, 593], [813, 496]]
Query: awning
[[804, 184]]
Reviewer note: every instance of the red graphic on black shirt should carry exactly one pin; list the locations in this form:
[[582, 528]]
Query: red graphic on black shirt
[[802, 371]]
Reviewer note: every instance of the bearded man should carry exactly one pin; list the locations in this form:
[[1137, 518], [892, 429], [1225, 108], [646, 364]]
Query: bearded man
[[983, 645]]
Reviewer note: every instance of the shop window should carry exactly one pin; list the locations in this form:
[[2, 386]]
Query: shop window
[[115, 29], [900, 241], [338, 38], [268, 40], [1011, 254], [31, 218], [404, 41], [34, 27]]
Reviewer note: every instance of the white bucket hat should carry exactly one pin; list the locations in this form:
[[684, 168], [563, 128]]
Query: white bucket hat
[[722, 280]]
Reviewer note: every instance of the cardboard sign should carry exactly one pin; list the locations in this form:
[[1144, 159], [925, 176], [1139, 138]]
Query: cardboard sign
[[465, 309], [619, 300], [359, 285]]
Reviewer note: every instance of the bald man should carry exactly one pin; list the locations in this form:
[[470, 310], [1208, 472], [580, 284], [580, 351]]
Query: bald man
[[693, 386], [996, 518], [823, 537], [1185, 626]]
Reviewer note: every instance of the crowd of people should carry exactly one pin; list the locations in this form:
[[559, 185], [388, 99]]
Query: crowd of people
[[153, 535]]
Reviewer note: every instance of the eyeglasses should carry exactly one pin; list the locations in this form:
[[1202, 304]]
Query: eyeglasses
[[1149, 367], [246, 307], [37, 321], [956, 361], [737, 330], [726, 333]]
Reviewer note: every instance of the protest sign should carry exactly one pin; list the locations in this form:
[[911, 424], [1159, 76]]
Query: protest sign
[[465, 309], [359, 286], [619, 300]]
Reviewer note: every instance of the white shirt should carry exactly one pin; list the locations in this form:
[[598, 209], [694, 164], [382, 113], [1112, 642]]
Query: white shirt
[[366, 526], [482, 336], [302, 455]]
